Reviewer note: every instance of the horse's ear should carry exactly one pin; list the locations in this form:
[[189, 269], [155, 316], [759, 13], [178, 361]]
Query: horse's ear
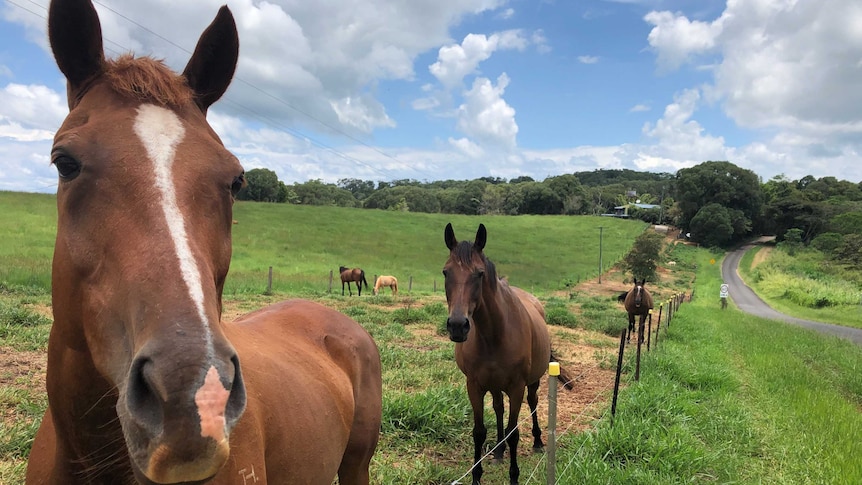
[[449, 236], [213, 63], [481, 238], [75, 35]]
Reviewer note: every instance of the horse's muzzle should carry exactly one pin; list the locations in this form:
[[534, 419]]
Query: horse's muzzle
[[458, 328]]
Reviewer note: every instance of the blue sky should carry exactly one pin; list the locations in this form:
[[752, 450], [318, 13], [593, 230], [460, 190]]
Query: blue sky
[[459, 89]]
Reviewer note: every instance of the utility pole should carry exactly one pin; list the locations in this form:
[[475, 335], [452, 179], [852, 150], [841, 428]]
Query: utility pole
[[600, 254]]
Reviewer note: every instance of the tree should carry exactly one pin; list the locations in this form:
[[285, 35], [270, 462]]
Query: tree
[[850, 250], [642, 260], [540, 199], [847, 223], [360, 189], [262, 185], [315, 192], [721, 183], [569, 190], [711, 226]]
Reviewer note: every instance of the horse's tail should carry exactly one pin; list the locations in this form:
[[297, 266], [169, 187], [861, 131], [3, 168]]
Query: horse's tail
[[622, 296], [565, 378], [362, 274]]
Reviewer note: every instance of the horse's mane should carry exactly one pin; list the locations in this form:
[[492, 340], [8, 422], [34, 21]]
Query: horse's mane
[[464, 253], [147, 79]]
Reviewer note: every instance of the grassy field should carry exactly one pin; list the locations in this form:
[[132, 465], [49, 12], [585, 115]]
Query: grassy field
[[724, 398], [798, 285], [304, 243]]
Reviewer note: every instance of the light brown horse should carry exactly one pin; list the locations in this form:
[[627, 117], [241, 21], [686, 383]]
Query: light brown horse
[[384, 280], [501, 344], [352, 274], [638, 302], [145, 383]]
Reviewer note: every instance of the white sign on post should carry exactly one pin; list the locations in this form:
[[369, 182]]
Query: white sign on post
[[724, 289]]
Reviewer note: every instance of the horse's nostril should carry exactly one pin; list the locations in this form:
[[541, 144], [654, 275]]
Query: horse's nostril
[[237, 400], [142, 399]]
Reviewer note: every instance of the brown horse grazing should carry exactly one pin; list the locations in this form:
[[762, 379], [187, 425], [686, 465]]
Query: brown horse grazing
[[389, 281], [637, 301], [501, 344], [145, 383], [348, 275]]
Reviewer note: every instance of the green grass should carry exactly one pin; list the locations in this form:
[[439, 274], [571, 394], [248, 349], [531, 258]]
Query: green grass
[[304, 244], [725, 398], [730, 399], [804, 286]]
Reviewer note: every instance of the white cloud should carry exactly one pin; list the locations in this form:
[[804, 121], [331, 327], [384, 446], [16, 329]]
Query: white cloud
[[486, 116], [33, 107], [639, 108], [788, 70], [456, 61], [588, 59], [467, 147], [677, 39], [507, 13]]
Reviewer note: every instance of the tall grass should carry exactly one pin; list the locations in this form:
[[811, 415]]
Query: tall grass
[[805, 286], [729, 398]]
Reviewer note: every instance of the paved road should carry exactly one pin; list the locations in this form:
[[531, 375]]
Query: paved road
[[749, 302]]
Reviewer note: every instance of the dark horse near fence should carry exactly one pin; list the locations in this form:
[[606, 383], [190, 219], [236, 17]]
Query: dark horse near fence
[[146, 384], [501, 344], [355, 274], [638, 302]]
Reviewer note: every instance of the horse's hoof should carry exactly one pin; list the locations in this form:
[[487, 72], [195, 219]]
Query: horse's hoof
[[538, 449]]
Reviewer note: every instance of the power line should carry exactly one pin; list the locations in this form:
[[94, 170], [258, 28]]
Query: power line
[[265, 119], [271, 96]]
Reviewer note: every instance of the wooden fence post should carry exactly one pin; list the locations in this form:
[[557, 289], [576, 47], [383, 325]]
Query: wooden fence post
[[269, 282], [553, 373], [410, 285], [330, 281]]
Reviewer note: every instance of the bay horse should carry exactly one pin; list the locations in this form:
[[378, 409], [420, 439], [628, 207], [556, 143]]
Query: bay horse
[[638, 302], [146, 384], [384, 280], [502, 344], [352, 274]]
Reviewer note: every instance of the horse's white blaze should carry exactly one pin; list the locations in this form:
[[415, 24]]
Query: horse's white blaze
[[160, 131]]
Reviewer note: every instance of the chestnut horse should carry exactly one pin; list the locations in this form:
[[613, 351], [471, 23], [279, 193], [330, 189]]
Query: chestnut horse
[[355, 274], [502, 344], [145, 382], [638, 302], [383, 280]]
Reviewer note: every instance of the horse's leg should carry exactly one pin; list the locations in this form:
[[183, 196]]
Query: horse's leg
[[497, 396], [642, 327], [342, 287], [359, 287], [631, 326], [350, 293], [477, 398], [516, 398], [533, 402]]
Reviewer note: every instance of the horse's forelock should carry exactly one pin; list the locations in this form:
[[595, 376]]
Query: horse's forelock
[[464, 253], [148, 79]]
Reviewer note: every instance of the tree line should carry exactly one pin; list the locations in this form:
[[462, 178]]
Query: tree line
[[716, 203]]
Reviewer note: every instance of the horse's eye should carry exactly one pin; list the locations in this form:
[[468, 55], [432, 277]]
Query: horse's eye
[[479, 274], [238, 184], [67, 167]]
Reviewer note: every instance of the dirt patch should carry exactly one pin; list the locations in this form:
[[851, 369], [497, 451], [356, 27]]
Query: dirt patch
[[582, 360], [761, 256], [22, 369]]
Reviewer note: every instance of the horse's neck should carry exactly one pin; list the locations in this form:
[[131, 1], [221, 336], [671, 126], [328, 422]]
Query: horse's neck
[[490, 314]]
